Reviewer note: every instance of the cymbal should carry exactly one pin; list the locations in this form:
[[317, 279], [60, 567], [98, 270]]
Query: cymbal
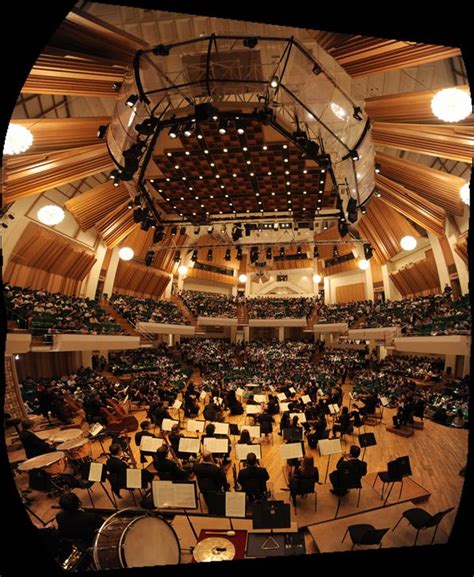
[[214, 549]]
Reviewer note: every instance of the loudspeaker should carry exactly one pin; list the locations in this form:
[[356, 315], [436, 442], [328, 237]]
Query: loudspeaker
[[352, 210]]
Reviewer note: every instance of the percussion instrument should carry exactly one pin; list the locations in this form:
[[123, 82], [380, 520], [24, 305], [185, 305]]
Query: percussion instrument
[[66, 435], [130, 538], [76, 449], [214, 549], [53, 463], [47, 433]]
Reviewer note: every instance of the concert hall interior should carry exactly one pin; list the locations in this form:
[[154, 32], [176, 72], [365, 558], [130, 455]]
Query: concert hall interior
[[236, 286]]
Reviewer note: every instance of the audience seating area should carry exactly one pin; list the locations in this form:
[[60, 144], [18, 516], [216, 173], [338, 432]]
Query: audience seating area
[[209, 304], [43, 313], [280, 308], [147, 310]]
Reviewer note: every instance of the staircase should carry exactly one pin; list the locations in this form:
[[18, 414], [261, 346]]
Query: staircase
[[242, 314], [126, 326], [187, 314]]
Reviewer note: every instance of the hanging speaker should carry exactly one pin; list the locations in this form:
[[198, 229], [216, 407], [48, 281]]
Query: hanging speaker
[[352, 210]]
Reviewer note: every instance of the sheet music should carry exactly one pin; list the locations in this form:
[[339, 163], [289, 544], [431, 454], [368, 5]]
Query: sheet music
[[272, 388], [243, 450], [150, 444], [384, 401], [252, 385], [320, 393], [301, 417], [284, 407], [218, 401], [254, 430], [195, 426], [187, 445], [221, 428], [306, 399], [134, 479], [291, 451], [292, 390], [253, 409], [333, 409], [163, 493], [239, 392], [96, 429], [95, 472], [260, 398], [329, 447], [216, 445], [185, 495], [202, 396], [234, 504], [168, 424], [281, 396], [177, 404], [351, 396]]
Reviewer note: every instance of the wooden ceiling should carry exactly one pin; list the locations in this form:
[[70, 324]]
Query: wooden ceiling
[[86, 57], [258, 179]]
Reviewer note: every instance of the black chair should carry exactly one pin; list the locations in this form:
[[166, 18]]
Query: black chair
[[266, 428], [396, 471], [364, 535], [421, 519], [348, 481], [302, 487], [254, 490]]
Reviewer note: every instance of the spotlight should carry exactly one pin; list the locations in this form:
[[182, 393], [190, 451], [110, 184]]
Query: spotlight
[[161, 50], [352, 210], [315, 252], [325, 226], [173, 131], [177, 256], [188, 129], [137, 201], [223, 229], [197, 230], [222, 127], [147, 127], [209, 255], [158, 234], [354, 155], [204, 111], [275, 226], [363, 210], [242, 278], [132, 100], [102, 130], [145, 225], [298, 251], [377, 167], [239, 126], [4, 225], [343, 228], [250, 42], [248, 229], [237, 232], [368, 250], [254, 254], [174, 230], [210, 229], [138, 215], [227, 254], [317, 278], [116, 86], [194, 256], [150, 257], [182, 270], [269, 253], [324, 161], [317, 69], [238, 255], [275, 81], [357, 113], [335, 252], [182, 231], [114, 174], [282, 251], [130, 204], [378, 194]]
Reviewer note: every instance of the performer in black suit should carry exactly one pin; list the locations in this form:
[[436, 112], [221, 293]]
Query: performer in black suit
[[253, 479], [117, 469], [350, 466], [167, 469], [74, 524], [210, 477], [145, 432], [32, 444]]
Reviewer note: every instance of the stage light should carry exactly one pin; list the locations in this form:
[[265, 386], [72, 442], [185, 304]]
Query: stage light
[[227, 254], [238, 255], [222, 126], [316, 278], [242, 278], [378, 194], [363, 264], [237, 232], [363, 210], [282, 251], [145, 224], [250, 42], [354, 155], [239, 126], [209, 255], [101, 131], [315, 252], [182, 231], [197, 230], [357, 113], [150, 257], [275, 81], [132, 100], [159, 234], [182, 270], [173, 131], [194, 256], [451, 104], [377, 167], [116, 86], [317, 69], [146, 127], [335, 252], [210, 229], [368, 250], [298, 251], [269, 253], [50, 215], [177, 256], [465, 193], [126, 253], [188, 129], [161, 50], [130, 204]]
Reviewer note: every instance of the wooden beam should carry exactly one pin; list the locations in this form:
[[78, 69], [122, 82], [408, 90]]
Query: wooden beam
[[454, 142]]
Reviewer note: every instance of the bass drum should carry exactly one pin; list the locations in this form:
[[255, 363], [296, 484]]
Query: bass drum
[[130, 538]]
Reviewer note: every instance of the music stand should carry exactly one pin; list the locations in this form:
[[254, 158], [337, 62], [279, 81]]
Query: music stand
[[328, 447], [271, 515], [96, 473], [293, 435], [366, 440]]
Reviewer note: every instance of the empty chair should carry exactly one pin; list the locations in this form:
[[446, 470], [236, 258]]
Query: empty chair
[[396, 471], [421, 519], [364, 535]]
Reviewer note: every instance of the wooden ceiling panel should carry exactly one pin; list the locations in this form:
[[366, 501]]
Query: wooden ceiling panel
[[406, 107], [384, 227], [116, 225], [31, 174], [365, 55], [56, 134], [91, 206], [418, 278], [325, 250], [412, 205], [135, 279], [453, 142], [461, 247], [438, 187]]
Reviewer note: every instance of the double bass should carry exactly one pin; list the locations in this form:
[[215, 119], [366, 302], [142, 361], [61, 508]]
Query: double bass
[[117, 419]]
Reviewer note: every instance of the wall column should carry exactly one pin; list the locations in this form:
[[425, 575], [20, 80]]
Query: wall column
[[439, 260], [281, 334], [390, 290], [89, 284], [369, 283], [111, 272]]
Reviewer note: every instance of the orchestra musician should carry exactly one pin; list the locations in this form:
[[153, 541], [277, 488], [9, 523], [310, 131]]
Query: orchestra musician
[[117, 469], [145, 432], [74, 524], [347, 464], [210, 433], [167, 469], [253, 479], [209, 476], [33, 444]]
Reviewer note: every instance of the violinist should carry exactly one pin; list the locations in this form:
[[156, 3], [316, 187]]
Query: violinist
[[167, 469], [117, 469], [145, 432], [210, 477], [347, 465]]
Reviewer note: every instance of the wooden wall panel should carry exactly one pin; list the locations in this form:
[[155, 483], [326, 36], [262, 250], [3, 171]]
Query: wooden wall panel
[[138, 280], [365, 55], [461, 247], [116, 225], [36, 365], [45, 260], [33, 173], [412, 205], [376, 270], [384, 227], [437, 186], [212, 276], [438, 140], [342, 267], [54, 134], [351, 293], [69, 73], [419, 278], [95, 204], [406, 107]]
